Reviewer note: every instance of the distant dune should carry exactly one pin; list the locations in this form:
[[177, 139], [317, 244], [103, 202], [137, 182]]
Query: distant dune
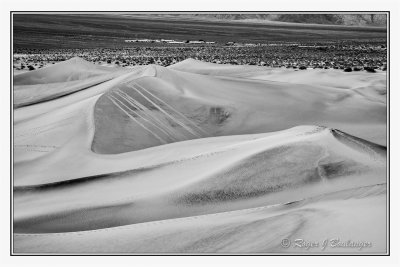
[[198, 158]]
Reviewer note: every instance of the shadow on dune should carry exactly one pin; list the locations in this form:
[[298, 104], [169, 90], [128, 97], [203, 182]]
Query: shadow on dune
[[277, 169]]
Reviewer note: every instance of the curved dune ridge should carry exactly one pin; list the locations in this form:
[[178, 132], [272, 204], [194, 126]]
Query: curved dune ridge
[[59, 80], [71, 70], [155, 159]]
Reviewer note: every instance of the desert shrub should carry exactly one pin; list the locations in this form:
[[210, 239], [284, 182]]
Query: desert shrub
[[369, 69]]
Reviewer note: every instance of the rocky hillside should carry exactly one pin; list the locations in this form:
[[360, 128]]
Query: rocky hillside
[[334, 19]]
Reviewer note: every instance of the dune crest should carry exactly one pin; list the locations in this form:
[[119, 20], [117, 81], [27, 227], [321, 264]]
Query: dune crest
[[176, 105]]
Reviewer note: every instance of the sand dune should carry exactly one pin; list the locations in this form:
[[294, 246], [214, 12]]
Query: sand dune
[[71, 70], [371, 85], [59, 80], [228, 106], [345, 215], [140, 160], [196, 178]]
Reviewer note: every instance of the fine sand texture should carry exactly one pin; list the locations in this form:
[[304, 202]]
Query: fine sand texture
[[198, 158]]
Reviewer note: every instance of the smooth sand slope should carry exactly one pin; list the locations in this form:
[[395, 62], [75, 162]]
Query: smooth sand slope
[[156, 159], [59, 80], [347, 215]]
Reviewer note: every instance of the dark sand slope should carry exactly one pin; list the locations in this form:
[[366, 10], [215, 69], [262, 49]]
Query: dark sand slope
[[160, 160]]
